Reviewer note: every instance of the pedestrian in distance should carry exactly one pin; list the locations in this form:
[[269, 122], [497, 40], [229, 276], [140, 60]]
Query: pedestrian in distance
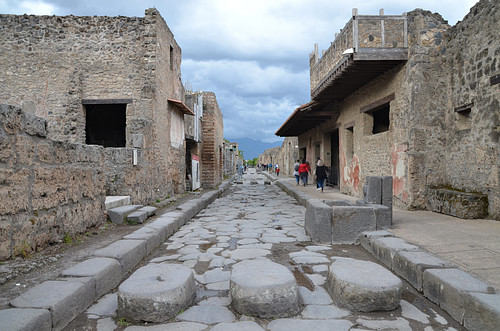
[[303, 172], [296, 171], [320, 175]]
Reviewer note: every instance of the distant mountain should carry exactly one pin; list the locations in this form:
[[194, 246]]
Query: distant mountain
[[253, 148]]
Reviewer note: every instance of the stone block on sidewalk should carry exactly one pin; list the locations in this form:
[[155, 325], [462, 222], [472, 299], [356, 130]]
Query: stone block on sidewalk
[[363, 286], [383, 216], [450, 289], [156, 292], [373, 190], [137, 217], [118, 215], [128, 252], [25, 319], [264, 288], [348, 222], [483, 312], [65, 299], [107, 273], [318, 221], [150, 210], [165, 225], [411, 266]]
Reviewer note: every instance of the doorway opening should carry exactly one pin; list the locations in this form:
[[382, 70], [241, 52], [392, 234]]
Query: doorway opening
[[334, 173]]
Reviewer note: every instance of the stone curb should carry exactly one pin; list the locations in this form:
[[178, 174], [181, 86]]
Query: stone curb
[[476, 308], [468, 300], [53, 304]]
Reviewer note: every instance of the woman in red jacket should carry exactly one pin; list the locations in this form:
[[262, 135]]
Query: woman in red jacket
[[304, 169]]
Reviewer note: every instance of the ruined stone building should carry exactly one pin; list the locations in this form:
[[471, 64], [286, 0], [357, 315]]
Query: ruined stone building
[[204, 140], [409, 96], [285, 155], [96, 108], [232, 158]]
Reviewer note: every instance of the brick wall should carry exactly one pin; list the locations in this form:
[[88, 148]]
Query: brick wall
[[213, 140]]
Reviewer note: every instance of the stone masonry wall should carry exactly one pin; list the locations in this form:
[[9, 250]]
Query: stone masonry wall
[[48, 189], [472, 156], [212, 162], [50, 64]]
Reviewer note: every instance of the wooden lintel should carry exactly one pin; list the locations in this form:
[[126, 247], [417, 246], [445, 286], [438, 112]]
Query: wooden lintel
[[464, 107], [378, 103]]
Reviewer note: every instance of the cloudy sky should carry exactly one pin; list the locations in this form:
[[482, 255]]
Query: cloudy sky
[[253, 54]]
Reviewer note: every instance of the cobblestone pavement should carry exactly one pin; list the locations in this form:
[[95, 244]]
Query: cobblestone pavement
[[254, 221]]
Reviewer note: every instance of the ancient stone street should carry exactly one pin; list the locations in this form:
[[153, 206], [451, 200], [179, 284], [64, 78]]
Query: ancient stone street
[[256, 223]]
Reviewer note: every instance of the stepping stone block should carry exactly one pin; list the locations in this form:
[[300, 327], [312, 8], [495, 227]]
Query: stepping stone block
[[156, 292], [264, 288], [363, 286]]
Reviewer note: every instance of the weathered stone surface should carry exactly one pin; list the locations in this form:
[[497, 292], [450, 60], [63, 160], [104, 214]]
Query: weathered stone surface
[[137, 217], [450, 289], [458, 204], [372, 190], [207, 314], [25, 319], [386, 248], [264, 288], [152, 236], [238, 326], [117, 201], [348, 223], [118, 215], [106, 306], [64, 299], [127, 252], [367, 238], [483, 312], [411, 266], [324, 312], [287, 324], [317, 297], [150, 211], [318, 221], [176, 326], [107, 273], [363, 286], [156, 292]]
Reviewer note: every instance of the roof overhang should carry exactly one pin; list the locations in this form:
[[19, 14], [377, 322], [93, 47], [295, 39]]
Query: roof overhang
[[303, 118], [351, 72], [181, 107], [357, 69]]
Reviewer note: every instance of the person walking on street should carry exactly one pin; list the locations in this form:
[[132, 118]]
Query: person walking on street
[[320, 175], [303, 172], [296, 171]]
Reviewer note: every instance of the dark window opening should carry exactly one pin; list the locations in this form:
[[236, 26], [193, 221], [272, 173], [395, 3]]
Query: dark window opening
[[171, 58], [349, 140], [105, 124], [381, 120], [463, 117]]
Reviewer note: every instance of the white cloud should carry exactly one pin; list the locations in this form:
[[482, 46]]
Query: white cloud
[[28, 7]]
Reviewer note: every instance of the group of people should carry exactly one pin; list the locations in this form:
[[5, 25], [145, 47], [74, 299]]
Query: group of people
[[302, 171]]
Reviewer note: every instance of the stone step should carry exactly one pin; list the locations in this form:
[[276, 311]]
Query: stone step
[[117, 201], [263, 288], [363, 286], [118, 215], [156, 292]]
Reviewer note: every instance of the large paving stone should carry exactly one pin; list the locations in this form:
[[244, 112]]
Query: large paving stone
[[288, 324], [450, 289], [264, 288], [107, 273], [363, 286], [65, 299], [156, 292], [25, 319], [128, 252], [237, 326], [207, 314], [366, 239]]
